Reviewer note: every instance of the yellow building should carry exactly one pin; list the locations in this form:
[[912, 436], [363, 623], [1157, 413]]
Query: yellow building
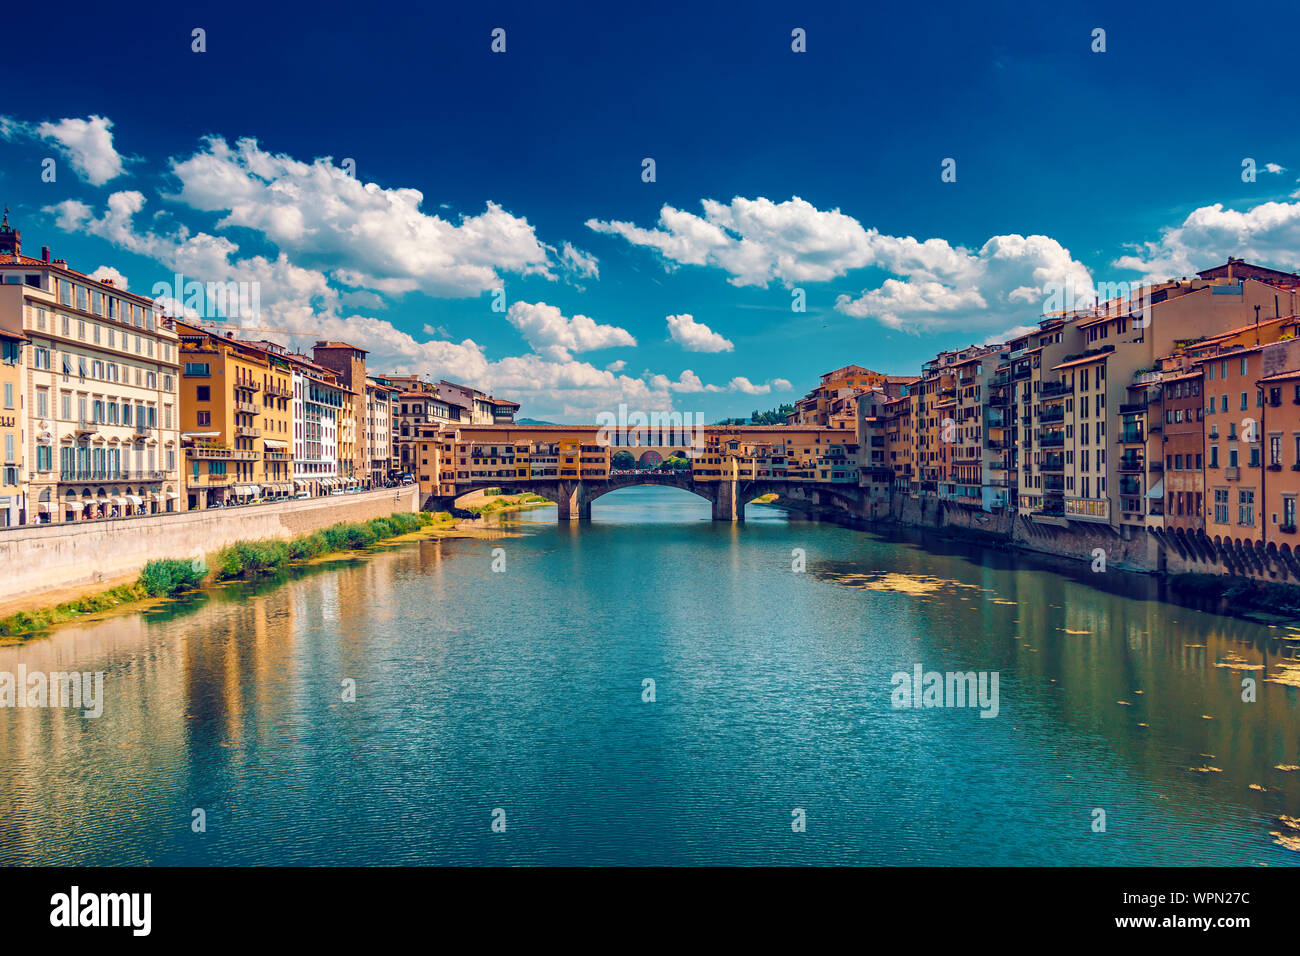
[[99, 389], [13, 488], [236, 419]]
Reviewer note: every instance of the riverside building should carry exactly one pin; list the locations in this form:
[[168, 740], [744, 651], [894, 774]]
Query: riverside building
[[99, 389]]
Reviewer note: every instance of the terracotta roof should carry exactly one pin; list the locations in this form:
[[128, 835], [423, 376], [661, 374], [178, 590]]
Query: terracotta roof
[[1280, 376], [12, 336]]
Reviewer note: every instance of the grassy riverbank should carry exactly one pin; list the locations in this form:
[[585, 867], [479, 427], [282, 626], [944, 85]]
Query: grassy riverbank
[[165, 577], [496, 504]]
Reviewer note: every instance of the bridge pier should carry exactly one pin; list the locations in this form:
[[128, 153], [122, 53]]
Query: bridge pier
[[727, 505]]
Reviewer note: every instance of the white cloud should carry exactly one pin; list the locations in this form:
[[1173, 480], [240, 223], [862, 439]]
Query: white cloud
[[935, 285], [696, 336], [947, 287], [1268, 234], [552, 334], [108, 272], [755, 240], [582, 264], [997, 338], [370, 237], [1274, 168], [87, 144]]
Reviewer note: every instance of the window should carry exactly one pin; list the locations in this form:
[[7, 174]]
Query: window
[[1288, 511], [9, 394], [1246, 507], [204, 418], [1221, 505], [203, 393], [1244, 404], [196, 368], [1275, 450]]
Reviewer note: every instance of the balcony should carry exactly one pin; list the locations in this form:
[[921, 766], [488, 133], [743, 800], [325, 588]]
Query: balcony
[[1052, 463], [1054, 390], [1130, 486], [1088, 509], [1053, 415], [243, 431], [247, 408], [1131, 465], [143, 428], [1133, 408], [278, 391], [86, 427], [221, 454], [248, 385], [1052, 440], [1232, 473], [1133, 436], [1054, 483]]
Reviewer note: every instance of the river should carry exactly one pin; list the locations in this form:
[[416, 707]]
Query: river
[[506, 716]]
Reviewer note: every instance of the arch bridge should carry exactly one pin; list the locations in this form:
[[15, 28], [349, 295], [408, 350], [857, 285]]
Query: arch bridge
[[727, 498]]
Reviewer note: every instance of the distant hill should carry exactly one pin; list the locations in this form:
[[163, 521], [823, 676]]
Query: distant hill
[[531, 421]]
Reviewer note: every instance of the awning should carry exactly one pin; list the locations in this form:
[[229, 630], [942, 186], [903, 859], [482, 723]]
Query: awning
[[241, 490], [254, 490], [172, 494], [135, 500], [275, 444], [46, 506], [119, 500], [1157, 490], [185, 435], [300, 486]]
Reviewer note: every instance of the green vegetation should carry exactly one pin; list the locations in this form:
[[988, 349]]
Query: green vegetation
[[675, 464], [168, 576], [251, 558], [509, 503], [26, 622], [775, 416], [622, 460]]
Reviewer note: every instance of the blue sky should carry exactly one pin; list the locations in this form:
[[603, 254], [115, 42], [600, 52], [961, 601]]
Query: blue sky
[[775, 171]]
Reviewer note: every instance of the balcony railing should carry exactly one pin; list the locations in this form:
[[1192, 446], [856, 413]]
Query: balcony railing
[[1133, 436], [1131, 465], [249, 385], [222, 454], [242, 431], [1052, 415], [1053, 463], [1052, 389]]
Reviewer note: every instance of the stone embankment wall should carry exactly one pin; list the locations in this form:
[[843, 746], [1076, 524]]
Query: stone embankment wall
[[44, 558], [1148, 550]]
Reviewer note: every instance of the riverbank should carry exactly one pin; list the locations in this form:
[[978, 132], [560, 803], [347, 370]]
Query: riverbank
[[486, 504], [84, 556], [167, 577]]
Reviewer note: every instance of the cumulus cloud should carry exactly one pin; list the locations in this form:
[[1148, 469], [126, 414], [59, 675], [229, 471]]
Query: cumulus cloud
[[300, 305], [1268, 234], [934, 284], [556, 336], [370, 236], [108, 272], [87, 144], [755, 240], [1274, 168], [696, 336]]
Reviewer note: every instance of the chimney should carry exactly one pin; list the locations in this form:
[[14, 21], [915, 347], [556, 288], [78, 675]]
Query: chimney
[[45, 254]]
